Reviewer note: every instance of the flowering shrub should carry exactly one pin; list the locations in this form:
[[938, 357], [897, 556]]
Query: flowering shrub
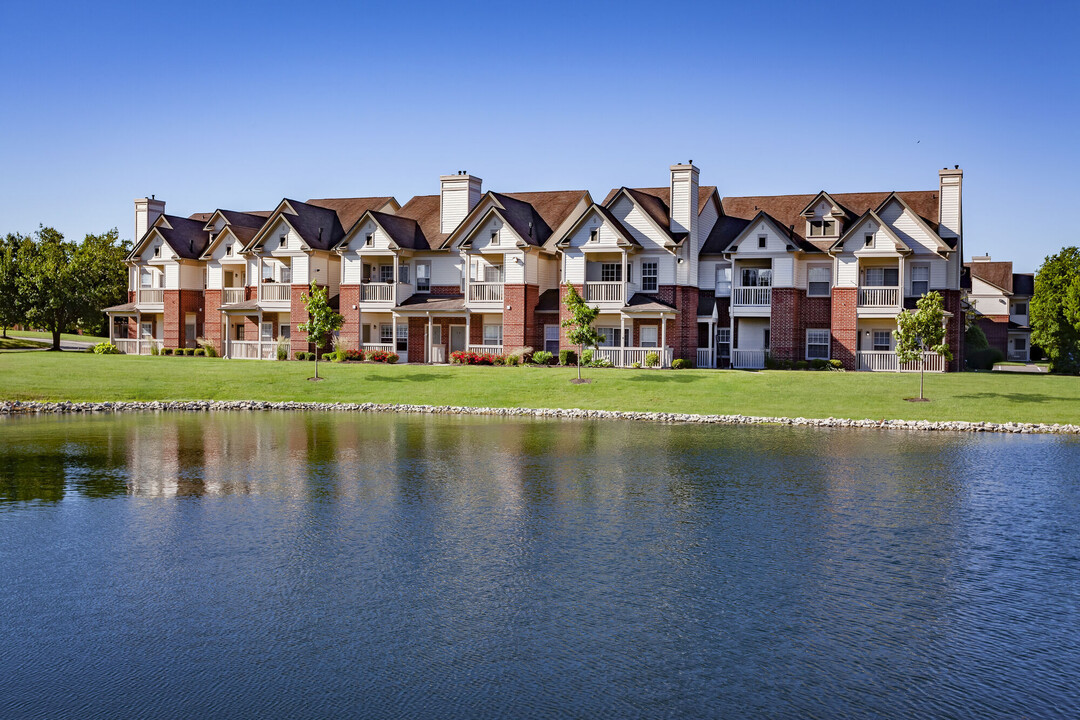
[[466, 357], [382, 356], [106, 348], [354, 355]]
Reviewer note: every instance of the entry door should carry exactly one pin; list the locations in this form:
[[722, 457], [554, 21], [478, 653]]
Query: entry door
[[189, 330], [457, 338], [551, 339]]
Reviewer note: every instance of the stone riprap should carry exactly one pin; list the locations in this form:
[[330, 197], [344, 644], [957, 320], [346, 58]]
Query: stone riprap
[[46, 408]]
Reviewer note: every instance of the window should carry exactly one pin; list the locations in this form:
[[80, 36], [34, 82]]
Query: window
[[403, 273], [284, 331], [822, 228], [228, 250], [610, 272], [766, 333], [756, 277], [493, 334], [268, 273], [266, 331], [649, 276], [723, 281], [402, 345], [386, 334], [920, 280], [386, 273], [1020, 344], [283, 243], [882, 277], [818, 280], [238, 331], [649, 333], [423, 277], [493, 273], [551, 339], [146, 330], [286, 274], [594, 235], [817, 344], [1019, 308], [723, 342], [868, 240], [612, 336], [762, 242], [882, 340], [145, 277], [157, 251], [369, 240], [494, 237]]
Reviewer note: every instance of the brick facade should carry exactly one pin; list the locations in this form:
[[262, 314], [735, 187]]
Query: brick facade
[[954, 328], [445, 290], [996, 328], [298, 339], [349, 307], [845, 333], [177, 305], [564, 314], [519, 321], [682, 331], [793, 313]]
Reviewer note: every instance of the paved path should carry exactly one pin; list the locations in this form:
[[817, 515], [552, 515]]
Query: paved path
[[1029, 368]]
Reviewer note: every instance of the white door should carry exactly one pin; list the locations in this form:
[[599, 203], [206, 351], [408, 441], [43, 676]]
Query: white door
[[457, 338]]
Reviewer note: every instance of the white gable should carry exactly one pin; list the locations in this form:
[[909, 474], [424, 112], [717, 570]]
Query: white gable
[[272, 239], [908, 228], [750, 244], [882, 242], [606, 237], [637, 224]]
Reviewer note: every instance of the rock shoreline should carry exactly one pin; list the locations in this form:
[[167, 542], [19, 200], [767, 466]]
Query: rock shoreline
[[62, 408]]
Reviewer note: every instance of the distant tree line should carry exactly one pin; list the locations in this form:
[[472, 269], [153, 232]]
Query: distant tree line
[[60, 286], [1055, 310]]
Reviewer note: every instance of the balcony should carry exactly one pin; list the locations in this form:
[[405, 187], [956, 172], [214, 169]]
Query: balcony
[[151, 296], [879, 297], [486, 349], [232, 295], [486, 292], [377, 292], [605, 292], [252, 349], [886, 361], [627, 356], [752, 297], [275, 292]]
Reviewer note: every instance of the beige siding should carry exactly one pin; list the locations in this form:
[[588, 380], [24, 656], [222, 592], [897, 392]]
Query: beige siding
[[783, 272], [847, 271]]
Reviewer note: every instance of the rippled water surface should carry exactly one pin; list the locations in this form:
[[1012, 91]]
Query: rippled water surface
[[322, 565]]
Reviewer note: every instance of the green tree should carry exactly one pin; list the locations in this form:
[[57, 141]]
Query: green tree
[[11, 311], [1055, 310], [323, 320], [579, 325], [921, 331], [63, 284]]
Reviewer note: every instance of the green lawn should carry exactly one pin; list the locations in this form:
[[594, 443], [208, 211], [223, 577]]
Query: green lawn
[[993, 397], [14, 343], [63, 336]]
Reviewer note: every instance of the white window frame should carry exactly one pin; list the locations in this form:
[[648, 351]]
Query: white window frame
[[594, 235], [867, 272], [868, 239], [284, 331], [723, 337], [285, 274], [874, 344], [723, 280], [493, 334], [924, 267], [426, 286], [827, 269], [386, 333], [651, 330], [551, 335], [494, 240], [650, 282], [228, 250], [283, 241], [266, 331], [611, 336], [386, 274], [146, 330], [762, 242], [818, 337], [369, 240], [157, 250], [403, 273], [612, 270], [401, 345]]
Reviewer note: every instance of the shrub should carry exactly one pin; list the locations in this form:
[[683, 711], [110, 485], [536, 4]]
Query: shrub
[[207, 346], [984, 359], [190, 351], [567, 357], [381, 356], [587, 356], [310, 356], [801, 365], [600, 362], [523, 353], [512, 360], [106, 348], [819, 363], [392, 358], [636, 365], [300, 355], [836, 364], [542, 357], [354, 355], [199, 352], [498, 360], [975, 338], [154, 349], [168, 351], [680, 364], [652, 359]]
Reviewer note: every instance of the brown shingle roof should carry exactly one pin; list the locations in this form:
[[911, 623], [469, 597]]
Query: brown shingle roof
[[349, 210], [664, 194], [998, 274], [553, 207], [424, 209]]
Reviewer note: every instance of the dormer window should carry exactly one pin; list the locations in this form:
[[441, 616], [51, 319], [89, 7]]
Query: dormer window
[[868, 241], [494, 237], [762, 242], [157, 251], [594, 235], [284, 242], [369, 241], [822, 228], [228, 250]]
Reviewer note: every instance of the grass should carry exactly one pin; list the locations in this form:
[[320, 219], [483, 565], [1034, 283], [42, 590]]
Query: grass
[[63, 336], [991, 397], [14, 343]]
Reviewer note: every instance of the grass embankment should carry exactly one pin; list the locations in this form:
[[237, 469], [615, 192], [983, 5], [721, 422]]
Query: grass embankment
[[16, 343], [63, 336], [990, 397]]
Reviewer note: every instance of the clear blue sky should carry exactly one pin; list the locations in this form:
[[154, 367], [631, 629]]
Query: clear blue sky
[[219, 105]]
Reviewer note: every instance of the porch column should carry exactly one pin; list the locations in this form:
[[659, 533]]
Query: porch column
[[259, 347], [393, 289], [112, 324], [622, 340], [663, 339], [624, 286], [138, 332], [468, 327], [394, 322], [900, 293], [430, 340], [712, 343]]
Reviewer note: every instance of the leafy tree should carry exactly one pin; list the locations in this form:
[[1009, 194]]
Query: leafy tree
[[11, 311], [1055, 310], [323, 320], [579, 325], [62, 283], [922, 331]]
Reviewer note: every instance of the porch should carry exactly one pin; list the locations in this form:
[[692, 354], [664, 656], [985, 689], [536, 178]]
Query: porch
[[886, 361]]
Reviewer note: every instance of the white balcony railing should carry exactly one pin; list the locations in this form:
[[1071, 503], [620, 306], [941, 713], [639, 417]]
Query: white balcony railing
[[232, 295], [485, 292], [385, 347], [752, 296], [128, 346], [706, 358], [488, 349], [151, 296], [438, 354], [146, 343], [604, 291], [377, 292], [886, 361], [749, 359], [627, 356], [275, 292], [879, 297]]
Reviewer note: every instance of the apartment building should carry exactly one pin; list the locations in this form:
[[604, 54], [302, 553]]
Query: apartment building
[[1000, 300], [677, 270]]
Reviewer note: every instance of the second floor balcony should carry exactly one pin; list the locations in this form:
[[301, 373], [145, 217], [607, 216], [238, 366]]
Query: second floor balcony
[[232, 295], [150, 296], [275, 292], [485, 292], [758, 297], [879, 297], [605, 292]]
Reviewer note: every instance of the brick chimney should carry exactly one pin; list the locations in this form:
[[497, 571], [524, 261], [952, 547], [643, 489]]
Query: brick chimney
[[684, 200], [147, 211], [458, 195]]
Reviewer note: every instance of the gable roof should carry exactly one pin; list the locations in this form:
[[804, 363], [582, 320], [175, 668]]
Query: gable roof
[[787, 210], [545, 210], [999, 274], [780, 230], [608, 217], [349, 210], [898, 243], [242, 225], [320, 223], [187, 237]]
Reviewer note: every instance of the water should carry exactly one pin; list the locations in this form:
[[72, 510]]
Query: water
[[323, 565]]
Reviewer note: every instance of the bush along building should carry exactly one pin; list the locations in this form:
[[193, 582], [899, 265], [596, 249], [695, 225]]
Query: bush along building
[[676, 270]]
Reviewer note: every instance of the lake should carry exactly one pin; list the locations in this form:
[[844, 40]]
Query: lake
[[313, 565]]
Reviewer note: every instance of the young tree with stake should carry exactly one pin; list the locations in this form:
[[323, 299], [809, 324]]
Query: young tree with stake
[[579, 325], [323, 320], [922, 331]]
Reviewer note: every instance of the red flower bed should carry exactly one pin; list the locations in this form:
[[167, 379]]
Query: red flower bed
[[465, 357], [354, 355], [382, 356]]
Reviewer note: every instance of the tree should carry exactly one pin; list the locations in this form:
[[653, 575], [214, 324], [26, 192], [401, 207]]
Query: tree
[[61, 284], [922, 331], [323, 320], [11, 311], [1055, 310], [579, 325]]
